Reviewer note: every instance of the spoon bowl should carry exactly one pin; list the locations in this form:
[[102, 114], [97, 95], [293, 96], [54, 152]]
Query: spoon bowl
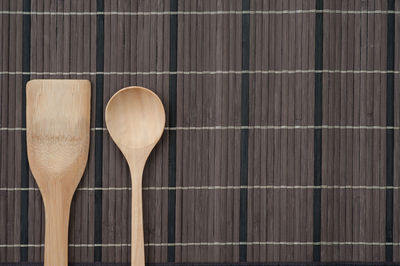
[[135, 119]]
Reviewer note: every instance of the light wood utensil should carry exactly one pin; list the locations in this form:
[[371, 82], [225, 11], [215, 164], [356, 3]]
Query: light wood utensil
[[57, 131], [135, 119]]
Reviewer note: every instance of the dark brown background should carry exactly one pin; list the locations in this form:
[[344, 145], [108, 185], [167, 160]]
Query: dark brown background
[[211, 128]]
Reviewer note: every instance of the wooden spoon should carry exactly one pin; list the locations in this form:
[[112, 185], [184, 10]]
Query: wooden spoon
[[57, 131], [135, 119]]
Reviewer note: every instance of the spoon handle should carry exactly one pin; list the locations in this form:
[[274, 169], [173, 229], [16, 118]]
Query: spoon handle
[[56, 232], [137, 238]]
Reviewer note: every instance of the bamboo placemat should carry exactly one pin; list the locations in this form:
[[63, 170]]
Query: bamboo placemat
[[282, 128]]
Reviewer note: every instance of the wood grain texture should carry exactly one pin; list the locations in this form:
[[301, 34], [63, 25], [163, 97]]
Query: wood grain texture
[[137, 52], [135, 119], [58, 126]]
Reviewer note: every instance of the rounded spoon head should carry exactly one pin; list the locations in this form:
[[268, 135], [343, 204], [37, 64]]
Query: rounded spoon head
[[135, 118]]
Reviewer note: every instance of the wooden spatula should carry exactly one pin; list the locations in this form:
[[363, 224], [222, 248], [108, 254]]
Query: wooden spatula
[[57, 131], [135, 119]]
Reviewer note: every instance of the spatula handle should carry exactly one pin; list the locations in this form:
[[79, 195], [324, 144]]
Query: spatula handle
[[137, 238], [56, 234]]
